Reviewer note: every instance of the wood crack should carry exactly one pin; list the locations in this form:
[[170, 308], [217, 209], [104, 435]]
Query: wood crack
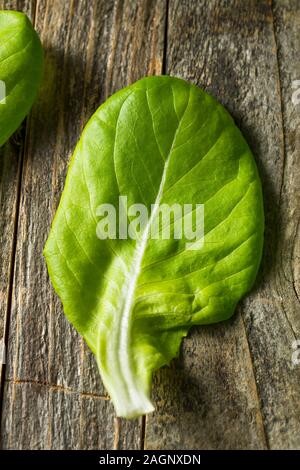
[[56, 388]]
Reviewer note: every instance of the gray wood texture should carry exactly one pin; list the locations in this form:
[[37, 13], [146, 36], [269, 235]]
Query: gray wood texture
[[234, 384], [11, 162]]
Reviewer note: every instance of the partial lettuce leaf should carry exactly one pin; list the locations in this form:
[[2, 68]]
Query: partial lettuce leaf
[[21, 64], [161, 140]]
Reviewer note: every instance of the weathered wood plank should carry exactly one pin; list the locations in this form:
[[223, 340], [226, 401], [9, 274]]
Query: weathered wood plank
[[92, 49], [10, 178], [208, 396], [228, 48], [10, 164], [273, 315]]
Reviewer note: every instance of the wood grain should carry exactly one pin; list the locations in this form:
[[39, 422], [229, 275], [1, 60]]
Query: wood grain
[[234, 385], [11, 158], [273, 316], [91, 49]]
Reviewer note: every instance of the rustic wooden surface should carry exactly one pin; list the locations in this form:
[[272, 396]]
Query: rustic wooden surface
[[234, 385]]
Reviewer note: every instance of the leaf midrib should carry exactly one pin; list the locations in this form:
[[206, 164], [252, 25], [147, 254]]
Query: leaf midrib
[[125, 323]]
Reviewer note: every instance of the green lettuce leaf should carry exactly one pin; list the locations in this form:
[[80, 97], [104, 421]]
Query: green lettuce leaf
[[21, 64], [159, 141]]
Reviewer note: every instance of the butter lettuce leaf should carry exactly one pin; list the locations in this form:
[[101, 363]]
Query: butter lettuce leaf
[[21, 66], [159, 141]]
